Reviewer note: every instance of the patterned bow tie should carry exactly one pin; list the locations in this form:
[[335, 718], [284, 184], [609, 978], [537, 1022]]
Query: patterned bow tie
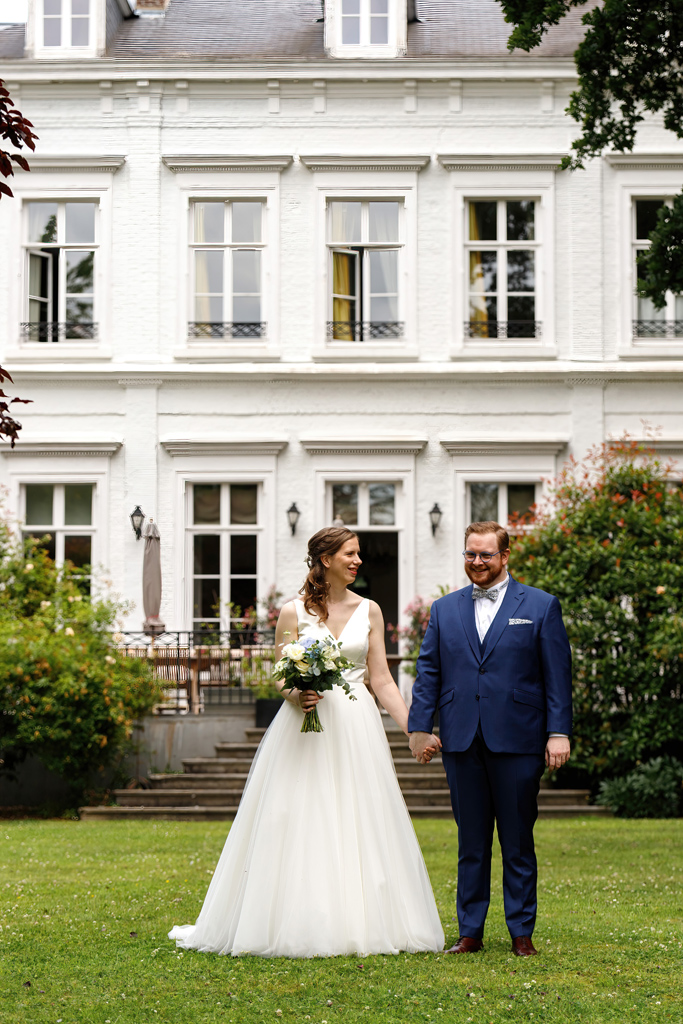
[[478, 592]]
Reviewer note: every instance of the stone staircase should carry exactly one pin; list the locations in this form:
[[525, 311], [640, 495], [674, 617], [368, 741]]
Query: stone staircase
[[209, 788]]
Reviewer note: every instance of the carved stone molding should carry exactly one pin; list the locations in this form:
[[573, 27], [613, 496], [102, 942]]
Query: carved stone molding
[[500, 161], [506, 446], [71, 448], [338, 162], [223, 446], [140, 382], [225, 162], [645, 161], [46, 162], [363, 446]]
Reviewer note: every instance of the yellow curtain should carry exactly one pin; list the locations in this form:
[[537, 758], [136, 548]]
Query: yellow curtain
[[343, 284], [477, 311]]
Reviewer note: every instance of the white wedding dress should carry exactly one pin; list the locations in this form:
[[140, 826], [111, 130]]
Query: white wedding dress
[[322, 858]]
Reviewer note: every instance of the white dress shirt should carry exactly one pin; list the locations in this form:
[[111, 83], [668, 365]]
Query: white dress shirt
[[485, 610]]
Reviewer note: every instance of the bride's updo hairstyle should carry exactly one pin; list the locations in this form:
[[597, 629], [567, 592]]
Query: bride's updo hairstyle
[[316, 588]]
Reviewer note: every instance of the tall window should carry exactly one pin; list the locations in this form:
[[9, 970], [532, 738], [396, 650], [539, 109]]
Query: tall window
[[364, 504], [227, 257], [60, 517], [66, 23], [224, 541], [60, 271], [502, 252], [650, 322], [500, 502], [364, 22], [365, 250]]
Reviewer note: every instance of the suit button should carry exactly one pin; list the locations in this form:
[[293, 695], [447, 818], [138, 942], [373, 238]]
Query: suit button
[[477, 697], [482, 671]]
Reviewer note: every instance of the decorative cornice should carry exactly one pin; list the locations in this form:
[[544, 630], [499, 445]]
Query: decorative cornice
[[338, 162], [139, 382], [52, 163], [225, 162], [500, 161], [364, 446], [662, 445], [645, 161], [56, 447], [223, 446], [506, 446]]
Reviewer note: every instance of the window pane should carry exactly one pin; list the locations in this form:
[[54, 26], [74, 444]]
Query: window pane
[[39, 499], [520, 271], [79, 311], [242, 597], [382, 504], [246, 222], [379, 30], [379, 6], [243, 554], [646, 308], [345, 503], [79, 34], [208, 309], [207, 554], [520, 499], [206, 502], [484, 503], [52, 34], [38, 268], [80, 7], [52, 6], [207, 599], [79, 271], [344, 274], [522, 307], [345, 222], [383, 270], [209, 271], [483, 308], [483, 271], [80, 222], [246, 309], [678, 311], [383, 222], [350, 6], [209, 221], [42, 222], [483, 226], [246, 270], [78, 551], [78, 504], [46, 543], [383, 308], [646, 216], [520, 221], [243, 503]]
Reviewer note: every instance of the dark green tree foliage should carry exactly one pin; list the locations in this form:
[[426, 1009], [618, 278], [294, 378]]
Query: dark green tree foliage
[[662, 263], [609, 546]]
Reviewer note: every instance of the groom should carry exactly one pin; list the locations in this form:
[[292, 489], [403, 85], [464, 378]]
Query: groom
[[496, 663]]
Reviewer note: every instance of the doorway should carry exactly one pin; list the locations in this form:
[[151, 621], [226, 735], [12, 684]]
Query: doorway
[[378, 577]]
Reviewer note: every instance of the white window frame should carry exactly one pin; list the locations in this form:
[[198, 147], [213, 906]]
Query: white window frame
[[395, 46], [502, 484], [226, 530], [228, 248], [404, 347], [58, 528], [638, 246], [537, 185], [178, 283], [30, 248], [502, 246], [363, 485], [95, 42]]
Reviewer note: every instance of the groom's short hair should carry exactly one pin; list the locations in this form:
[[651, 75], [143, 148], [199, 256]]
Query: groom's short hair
[[502, 536]]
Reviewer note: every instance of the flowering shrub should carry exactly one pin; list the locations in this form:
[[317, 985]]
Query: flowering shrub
[[68, 696], [412, 635], [608, 544]]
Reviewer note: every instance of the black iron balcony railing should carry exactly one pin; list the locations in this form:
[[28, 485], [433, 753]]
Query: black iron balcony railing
[[53, 330], [364, 330], [504, 329], [197, 329], [658, 328]]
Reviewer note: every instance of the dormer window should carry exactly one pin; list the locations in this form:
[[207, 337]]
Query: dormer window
[[66, 23], [366, 28]]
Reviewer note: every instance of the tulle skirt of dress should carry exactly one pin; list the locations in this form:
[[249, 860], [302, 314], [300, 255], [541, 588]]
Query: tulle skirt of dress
[[322, 858]]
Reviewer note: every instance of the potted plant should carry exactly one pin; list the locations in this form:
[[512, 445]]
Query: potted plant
[[256, 670]]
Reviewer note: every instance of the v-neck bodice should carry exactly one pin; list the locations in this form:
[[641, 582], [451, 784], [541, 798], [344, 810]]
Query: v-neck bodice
[[353, 639]]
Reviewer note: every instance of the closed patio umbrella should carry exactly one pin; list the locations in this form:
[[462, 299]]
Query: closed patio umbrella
[[151, 580]]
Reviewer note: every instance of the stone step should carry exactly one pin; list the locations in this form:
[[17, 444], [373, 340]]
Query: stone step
[[213, 765], [235, 749], [177, 797], [427, 797], [563, 797], [200, 780]]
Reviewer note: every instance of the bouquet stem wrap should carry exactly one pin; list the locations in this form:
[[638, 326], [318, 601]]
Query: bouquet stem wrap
[[309, 664]]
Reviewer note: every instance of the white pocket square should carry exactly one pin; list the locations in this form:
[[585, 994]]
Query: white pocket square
[[520, 622]]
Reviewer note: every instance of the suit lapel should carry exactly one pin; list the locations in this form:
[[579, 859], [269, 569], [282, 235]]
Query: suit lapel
[[513, 598], [466, 609]]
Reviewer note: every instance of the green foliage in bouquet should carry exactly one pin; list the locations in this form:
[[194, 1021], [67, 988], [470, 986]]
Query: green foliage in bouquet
[[608, 544], [652, 790], [309, 664], [68, 695]]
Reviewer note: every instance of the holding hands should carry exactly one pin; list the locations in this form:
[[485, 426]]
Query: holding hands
[[423, 746]]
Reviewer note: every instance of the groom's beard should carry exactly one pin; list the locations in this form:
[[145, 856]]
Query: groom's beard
[[485, 575]]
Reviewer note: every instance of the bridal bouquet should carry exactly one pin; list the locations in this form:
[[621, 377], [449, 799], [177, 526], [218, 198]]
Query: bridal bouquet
[[309, 664]]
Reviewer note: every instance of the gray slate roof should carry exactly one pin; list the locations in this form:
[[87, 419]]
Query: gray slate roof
[[292, 30]]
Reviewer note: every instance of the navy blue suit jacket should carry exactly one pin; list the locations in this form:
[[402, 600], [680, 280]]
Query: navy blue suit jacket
[[519, 682]]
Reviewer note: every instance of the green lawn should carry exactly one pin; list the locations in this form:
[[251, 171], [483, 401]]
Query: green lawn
[[85, 908]]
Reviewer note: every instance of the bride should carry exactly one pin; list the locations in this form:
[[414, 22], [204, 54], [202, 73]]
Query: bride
[[322, 858]]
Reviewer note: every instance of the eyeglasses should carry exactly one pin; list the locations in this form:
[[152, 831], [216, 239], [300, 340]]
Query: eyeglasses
[[486, 556]]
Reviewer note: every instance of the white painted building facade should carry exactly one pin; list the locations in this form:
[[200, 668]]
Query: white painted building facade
[[346, 275]]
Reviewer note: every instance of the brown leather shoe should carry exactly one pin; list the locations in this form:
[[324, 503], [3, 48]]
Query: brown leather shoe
[[523, 946], [466, 945]]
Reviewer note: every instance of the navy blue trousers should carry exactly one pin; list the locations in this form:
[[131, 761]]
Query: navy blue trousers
[[487, 787]]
